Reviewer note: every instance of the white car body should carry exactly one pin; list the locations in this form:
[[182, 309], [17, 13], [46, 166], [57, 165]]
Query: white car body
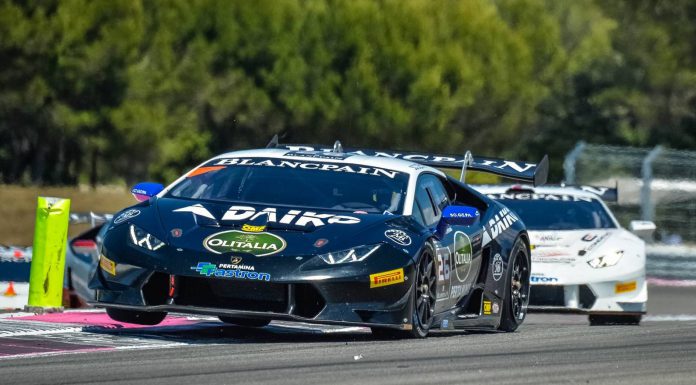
[[562, 278]]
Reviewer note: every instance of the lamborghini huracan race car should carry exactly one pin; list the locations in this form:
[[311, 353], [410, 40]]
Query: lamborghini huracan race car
[[583, 261], [322, 235]]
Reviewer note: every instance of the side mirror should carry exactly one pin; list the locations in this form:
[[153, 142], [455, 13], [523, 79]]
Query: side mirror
[[145, 190], [460, 215], [643, 229]]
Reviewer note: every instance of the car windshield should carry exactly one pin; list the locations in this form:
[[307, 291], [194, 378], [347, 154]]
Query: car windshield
[[324, 185], [551, 214]]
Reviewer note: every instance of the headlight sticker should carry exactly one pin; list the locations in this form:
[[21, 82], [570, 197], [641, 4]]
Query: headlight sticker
[[142, 238]]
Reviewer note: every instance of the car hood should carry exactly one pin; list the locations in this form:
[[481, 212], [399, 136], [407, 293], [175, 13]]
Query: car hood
[[265, 230], [571, 246]]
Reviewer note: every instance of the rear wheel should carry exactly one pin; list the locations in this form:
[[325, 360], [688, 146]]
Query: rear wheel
[[617, 319], [517, 288], [136, 317], [423, 298], [249, 322]]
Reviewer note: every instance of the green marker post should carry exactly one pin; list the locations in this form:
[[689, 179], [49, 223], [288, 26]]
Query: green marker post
[[48, 255]]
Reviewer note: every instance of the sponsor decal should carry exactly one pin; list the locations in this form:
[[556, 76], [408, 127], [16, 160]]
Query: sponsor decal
[[197, 209], [236, 260], [316, 155], [235, 266], [589, 237], [625, 287], [539, 279], [203, 170], [211, 270], [107, 265], [500, 164], [487, 307], [444, 324], [553, 259], [462, 256], [176, 233], [496, 308], [296, 217], [498, 224], [542, 197], [126, 215], [280, 163], [253, 229], [459, 290], [443, 271], [597, 240], [549, 238], [399, 237], [387, 278], [258, 244], [320, 242], [497, 267]]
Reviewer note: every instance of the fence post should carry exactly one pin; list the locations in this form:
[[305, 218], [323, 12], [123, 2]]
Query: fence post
[[647, 208], [570, 160]]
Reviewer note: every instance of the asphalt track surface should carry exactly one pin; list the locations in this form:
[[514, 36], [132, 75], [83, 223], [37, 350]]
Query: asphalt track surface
[[547, 349]]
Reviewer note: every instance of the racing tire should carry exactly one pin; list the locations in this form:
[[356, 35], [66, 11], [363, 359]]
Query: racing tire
[[135, 317], [423, 299], [246, 322], [614, 319], [516, 288]]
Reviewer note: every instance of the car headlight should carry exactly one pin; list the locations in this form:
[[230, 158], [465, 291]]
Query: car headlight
[[355, 254], [141, 238], [610, 259]]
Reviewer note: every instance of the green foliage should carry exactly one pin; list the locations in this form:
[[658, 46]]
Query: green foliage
[[105, 91]]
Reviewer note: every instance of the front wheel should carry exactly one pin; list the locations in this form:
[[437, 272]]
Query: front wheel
[[423, 299], [618, 319], [517, 288], [135, 317]]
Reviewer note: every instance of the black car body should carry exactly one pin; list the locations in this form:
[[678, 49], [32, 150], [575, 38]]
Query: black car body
[[322, 236]]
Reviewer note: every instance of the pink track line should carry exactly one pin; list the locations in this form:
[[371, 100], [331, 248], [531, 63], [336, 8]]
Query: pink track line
[[99, 319], [671, 282]]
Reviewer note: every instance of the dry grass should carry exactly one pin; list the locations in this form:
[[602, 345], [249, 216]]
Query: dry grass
[[18, 208]]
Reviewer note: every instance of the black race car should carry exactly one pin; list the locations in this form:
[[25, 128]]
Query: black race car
[[322, 235]]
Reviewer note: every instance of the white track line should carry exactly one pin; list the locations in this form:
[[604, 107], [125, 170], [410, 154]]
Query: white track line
[[670, 317]]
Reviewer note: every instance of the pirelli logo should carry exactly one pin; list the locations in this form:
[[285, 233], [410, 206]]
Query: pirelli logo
[[386, 278], [107, 265]]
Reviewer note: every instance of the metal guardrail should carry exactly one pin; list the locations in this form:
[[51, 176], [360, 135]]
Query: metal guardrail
[[92, 218]]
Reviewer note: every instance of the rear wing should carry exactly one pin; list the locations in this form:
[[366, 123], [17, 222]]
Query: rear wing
[[535, 173]]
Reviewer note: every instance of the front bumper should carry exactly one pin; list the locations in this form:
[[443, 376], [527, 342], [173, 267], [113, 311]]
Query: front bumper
[[628, 296], [342, 295]]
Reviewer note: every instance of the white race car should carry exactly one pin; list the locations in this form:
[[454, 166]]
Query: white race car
[[583, 261]]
